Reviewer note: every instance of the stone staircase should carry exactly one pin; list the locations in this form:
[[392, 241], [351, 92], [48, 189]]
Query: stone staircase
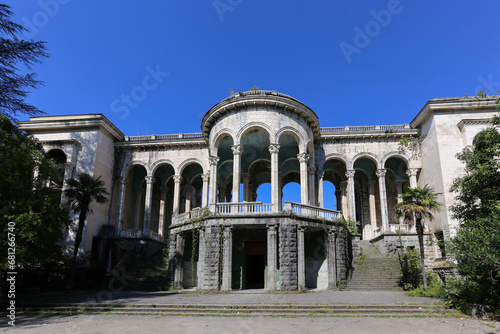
[[387, 310], [375, 272], [146, 275]]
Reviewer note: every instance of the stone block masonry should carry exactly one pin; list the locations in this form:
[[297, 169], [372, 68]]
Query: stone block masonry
[[288, 257]]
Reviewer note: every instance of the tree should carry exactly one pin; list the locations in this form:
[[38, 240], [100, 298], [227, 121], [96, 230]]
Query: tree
[[416, 205], [14, 52], [84, 190], [475, 246], [38, 218]]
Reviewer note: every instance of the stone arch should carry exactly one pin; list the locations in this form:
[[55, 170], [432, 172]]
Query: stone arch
[[217, 138], [251, 126], [133, 163], [157, 164], [367, 155], [294, 133], [187, 162], [397, 154], [340, 157]]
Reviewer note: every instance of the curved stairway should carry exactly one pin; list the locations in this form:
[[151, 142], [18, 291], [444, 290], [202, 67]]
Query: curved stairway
[[375, 272]]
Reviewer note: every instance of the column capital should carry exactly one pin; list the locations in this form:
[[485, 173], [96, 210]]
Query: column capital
[[177, 178], [303, 157], [381, 172], [228, 228], [332, 232], [149, 179], [350, 173], [301, 228], [412, 171], [237, 149], [320, 173], [272, 227], [205, 177], [274, 148], [213, 160]]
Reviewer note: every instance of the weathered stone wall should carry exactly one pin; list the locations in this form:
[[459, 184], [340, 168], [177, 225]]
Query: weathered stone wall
[[211, 275], [288, 257]]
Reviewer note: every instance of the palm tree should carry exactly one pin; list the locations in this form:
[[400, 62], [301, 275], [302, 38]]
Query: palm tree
[[416, 205], [82, 192]]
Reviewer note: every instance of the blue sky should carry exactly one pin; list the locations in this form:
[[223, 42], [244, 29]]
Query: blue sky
[[157, 66]]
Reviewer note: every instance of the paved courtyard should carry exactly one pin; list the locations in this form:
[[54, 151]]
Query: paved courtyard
[[89, 324]]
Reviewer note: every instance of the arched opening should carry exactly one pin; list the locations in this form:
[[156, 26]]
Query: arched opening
[[135, 191], [191, 187], [56, 181], [396, 183], [289, 168], [334, 185], [163, 199], [225, 169], [366, 196], [255, 165]]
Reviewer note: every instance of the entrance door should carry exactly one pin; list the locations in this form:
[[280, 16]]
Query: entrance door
[[255, 264]]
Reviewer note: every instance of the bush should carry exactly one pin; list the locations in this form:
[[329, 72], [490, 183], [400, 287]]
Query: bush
[[435, 288], [411, 269]]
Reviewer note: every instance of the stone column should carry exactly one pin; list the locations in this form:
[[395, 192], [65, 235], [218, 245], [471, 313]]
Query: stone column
[[179, 264], [288, 257], [147, 204], [373, 209], [280, 190], [383, 199], [412, 174], [201, 259], [227, 259], [138, 204], [246, 187], [237, 152], [331, 256], [121, 203], [343, 188], [351, 193], [274, 150], [338, 198], [177, 193], [321, 196], [399, 191], [272, 263], [311, 171], [163, 205], [222, 193], [212, 257], [189, 196], [304, 190], [204, 196], [301, 258], [213, 160]]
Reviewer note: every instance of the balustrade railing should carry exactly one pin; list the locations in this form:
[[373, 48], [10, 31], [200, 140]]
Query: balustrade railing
[[138, 233], [311, 211]]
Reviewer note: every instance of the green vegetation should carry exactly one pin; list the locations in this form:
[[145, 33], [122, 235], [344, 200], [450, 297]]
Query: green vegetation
[[16, 51], [84, 190], [411, 269], [475, 246], [416, 205], [32, 221]]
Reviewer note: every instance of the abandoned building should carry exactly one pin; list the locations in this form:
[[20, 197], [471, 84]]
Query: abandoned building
[[198, 192]]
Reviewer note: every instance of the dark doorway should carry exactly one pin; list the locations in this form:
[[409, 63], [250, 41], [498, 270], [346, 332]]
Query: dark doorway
[[255, 260]]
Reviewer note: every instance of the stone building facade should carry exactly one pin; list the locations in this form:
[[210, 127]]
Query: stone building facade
[[197, 192]]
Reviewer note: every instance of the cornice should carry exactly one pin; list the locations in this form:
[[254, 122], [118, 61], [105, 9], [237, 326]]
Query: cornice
[[268, 99], [453, 104], [89, 121]]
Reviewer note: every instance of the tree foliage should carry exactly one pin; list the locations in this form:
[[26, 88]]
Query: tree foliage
[[84, 190], [417, 204], [14, 84], [40, 220], [476, 245]]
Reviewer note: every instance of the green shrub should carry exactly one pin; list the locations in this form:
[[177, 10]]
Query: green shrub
[[411, 269], [435, 288]]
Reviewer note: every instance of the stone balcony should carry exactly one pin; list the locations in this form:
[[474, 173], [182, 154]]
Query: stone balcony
[[257, 213]]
